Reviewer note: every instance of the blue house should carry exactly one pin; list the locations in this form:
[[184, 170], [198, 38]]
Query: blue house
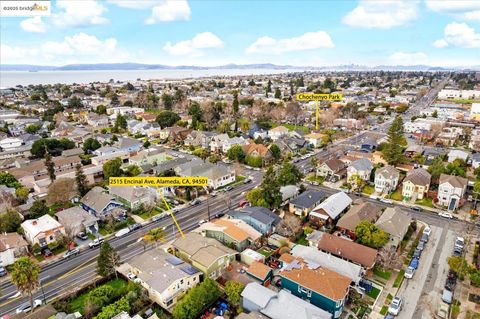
[[97, 202], [320, 286], [261, 219], [368, 145], [130, 145]]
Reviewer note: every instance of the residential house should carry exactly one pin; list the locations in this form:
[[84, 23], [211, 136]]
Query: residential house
[[317, 285], [164, 276], [386, 179], [330, 209], [230, 142], [348, 250], [457, 154], [43, 230], [394, 222], [288, 144], [369, 145], [205, 254], [475, 160], [288, 192], [448, 136], [128, 145], [260, 218], [152, 156], [234, 233], [177, 134], [199, 139], [99, 203], [262, 303], [413, 150], [332, 170], [258, 150], [361, 167], [416, 184], [315, 139], [12, 246], [96, 120], [10, 143], [277, 132], [359, 212], [260, 272], [305, 202], [217, 141], [219, 175], [76, 220], [451, 190], [135, 196]]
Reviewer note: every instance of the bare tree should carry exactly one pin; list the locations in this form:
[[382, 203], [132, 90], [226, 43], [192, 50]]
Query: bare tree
[[61, 190]]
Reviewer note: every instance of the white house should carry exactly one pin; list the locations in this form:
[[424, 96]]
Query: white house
[[12, 246], [386, 179], [43, 230], [361, 167], [11, 143], [457, 154], [451, 190], [277, 132]]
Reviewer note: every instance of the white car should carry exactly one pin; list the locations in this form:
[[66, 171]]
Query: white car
[[427, 231], [96, 242], [386, 201], [409, 272], [122, 232], [395, 306], [202, 221], [446, 215], [131, 276], [26, 307]]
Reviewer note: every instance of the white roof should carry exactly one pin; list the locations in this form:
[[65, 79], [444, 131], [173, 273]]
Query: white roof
[[338, 265], [40, 225], [258, 294], [333, 205], [288, 306]]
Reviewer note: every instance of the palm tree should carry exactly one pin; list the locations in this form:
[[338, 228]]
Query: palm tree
[[25, 275], [155, 235]]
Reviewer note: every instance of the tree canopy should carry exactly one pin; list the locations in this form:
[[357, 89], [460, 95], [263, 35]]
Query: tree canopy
[[91, 144], [112, 168], [196, 300], [289, 174], [236, 153], [107, 260], [52, 145], [167, 118], [393, 149], [370, 235]]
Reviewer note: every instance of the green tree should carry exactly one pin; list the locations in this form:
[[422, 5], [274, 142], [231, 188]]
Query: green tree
[[33, 128], [289, 174], [22, 193], [147, 144], [120, 123], [436, 168], [459, 265], [112, 168], [75, 102], [38, 208], [114, 100], [233, 290], [114, 309], [278, 93], [81, 180], [25, 275], [50, 167], [236, 153], [167, 101], [101, 109], [370, 235], [254, 161], [196, 112], [133, 170], [167, 118], [435, 114], [107, 260], [393, 150], [458, 168], [9, 180], [256, 198], [10, 221], [276, 152], [155, 235], [269, 87], [196, 300], [91, 144], [271, 188]]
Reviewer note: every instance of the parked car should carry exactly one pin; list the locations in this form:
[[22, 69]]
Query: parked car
[[247, 180], [96, 242], [395, 306], [442, 311], [427, 231], [409, 272], [219, 215], [457, 252], [47, 252], [121, 218], [446, 215], [416, 208], [417, 253], [196, 201], [27, 307], [414, 263], [459, 243], [131, 276], [134, 226], [450, 284], [159, 217], [214, 193], [424, 238], [82, 236], [71, 253], [421, 245], [447, 296], [228, 188], [201, 221], [3, 272], [122, 232], [386, 201]]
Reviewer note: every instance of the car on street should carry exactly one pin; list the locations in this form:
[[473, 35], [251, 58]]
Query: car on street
[[214, 193], [447, 296], [409, 272], [71, 253], [3, 272], [122, 232], [228, 188], [459, 243], [457, 252], [82, 236], [416, 208], [195, 202], [427, 231], [386, 201], [96, 242], [247, 180], [421, 245], [417, 253], [27, 307], [134, 226], [159, 217], [395, 306], [450, 284], [201, 221], [414, 263], [219, 215], [131, 276], [445, 215], [424, 238]]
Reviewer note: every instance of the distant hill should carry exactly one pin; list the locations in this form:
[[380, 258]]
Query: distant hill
[[269, 66]]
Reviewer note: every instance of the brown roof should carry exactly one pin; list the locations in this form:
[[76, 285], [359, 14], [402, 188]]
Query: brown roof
[[349, 250], [261, 149], [418, 176], [259, 270], [231, 230], [11, 240], [39, 165], [321, 280], [335, 164], [286, 258], [455, 181], [358, 213]]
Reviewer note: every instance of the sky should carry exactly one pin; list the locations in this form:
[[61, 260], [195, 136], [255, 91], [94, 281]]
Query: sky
[[211, 33]]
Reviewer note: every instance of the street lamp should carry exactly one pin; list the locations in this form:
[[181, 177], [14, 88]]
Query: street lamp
[[41, 287]]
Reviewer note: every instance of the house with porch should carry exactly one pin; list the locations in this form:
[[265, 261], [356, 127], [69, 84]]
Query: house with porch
[[76, 220], [43, 230], [416, 184], [305, 202], [386, 179], [330, 209], [99, 203], [332, 170], [361, 167], [359, 211], [451, 190]]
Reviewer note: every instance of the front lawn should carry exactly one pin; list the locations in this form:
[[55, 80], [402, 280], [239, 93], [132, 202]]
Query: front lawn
[[374, 293], [119, 286], [384, 310], [302, 240], [368, 190], [399, 278], [397, 195], [382, 273], [425, 202]]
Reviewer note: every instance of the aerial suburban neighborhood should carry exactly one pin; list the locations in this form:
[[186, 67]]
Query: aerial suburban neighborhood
[[348, 191]]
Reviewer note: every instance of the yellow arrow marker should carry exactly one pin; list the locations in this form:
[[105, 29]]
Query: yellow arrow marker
[[318, 97], [171, 213]]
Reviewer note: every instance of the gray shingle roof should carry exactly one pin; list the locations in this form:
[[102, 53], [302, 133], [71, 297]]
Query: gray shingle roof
[[308, 198]]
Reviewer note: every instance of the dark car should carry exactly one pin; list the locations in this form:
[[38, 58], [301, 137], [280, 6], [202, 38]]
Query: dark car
[[135, 226], [82, 236], [450, 284], [424, 238], [247, 180], [219, 215], [121, 217], [47, 252], [416, 208], [3, 272], [417, 253], [228, 188]]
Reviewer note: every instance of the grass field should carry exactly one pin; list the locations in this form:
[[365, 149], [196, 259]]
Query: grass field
[[78, 303]]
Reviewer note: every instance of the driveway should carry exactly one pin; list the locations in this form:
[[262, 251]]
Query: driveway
[[411, 289]]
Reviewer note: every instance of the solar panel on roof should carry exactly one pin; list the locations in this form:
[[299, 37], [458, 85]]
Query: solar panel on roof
[[174, 261], [190, 270]]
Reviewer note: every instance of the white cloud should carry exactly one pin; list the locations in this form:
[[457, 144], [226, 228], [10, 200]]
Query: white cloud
[[204, 40], [381, 14], [408, 58], [80, 47], [460, 9], [79, 13], [306, 41], [459, 35], [134, 4], [34, 24], [168, 11]]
